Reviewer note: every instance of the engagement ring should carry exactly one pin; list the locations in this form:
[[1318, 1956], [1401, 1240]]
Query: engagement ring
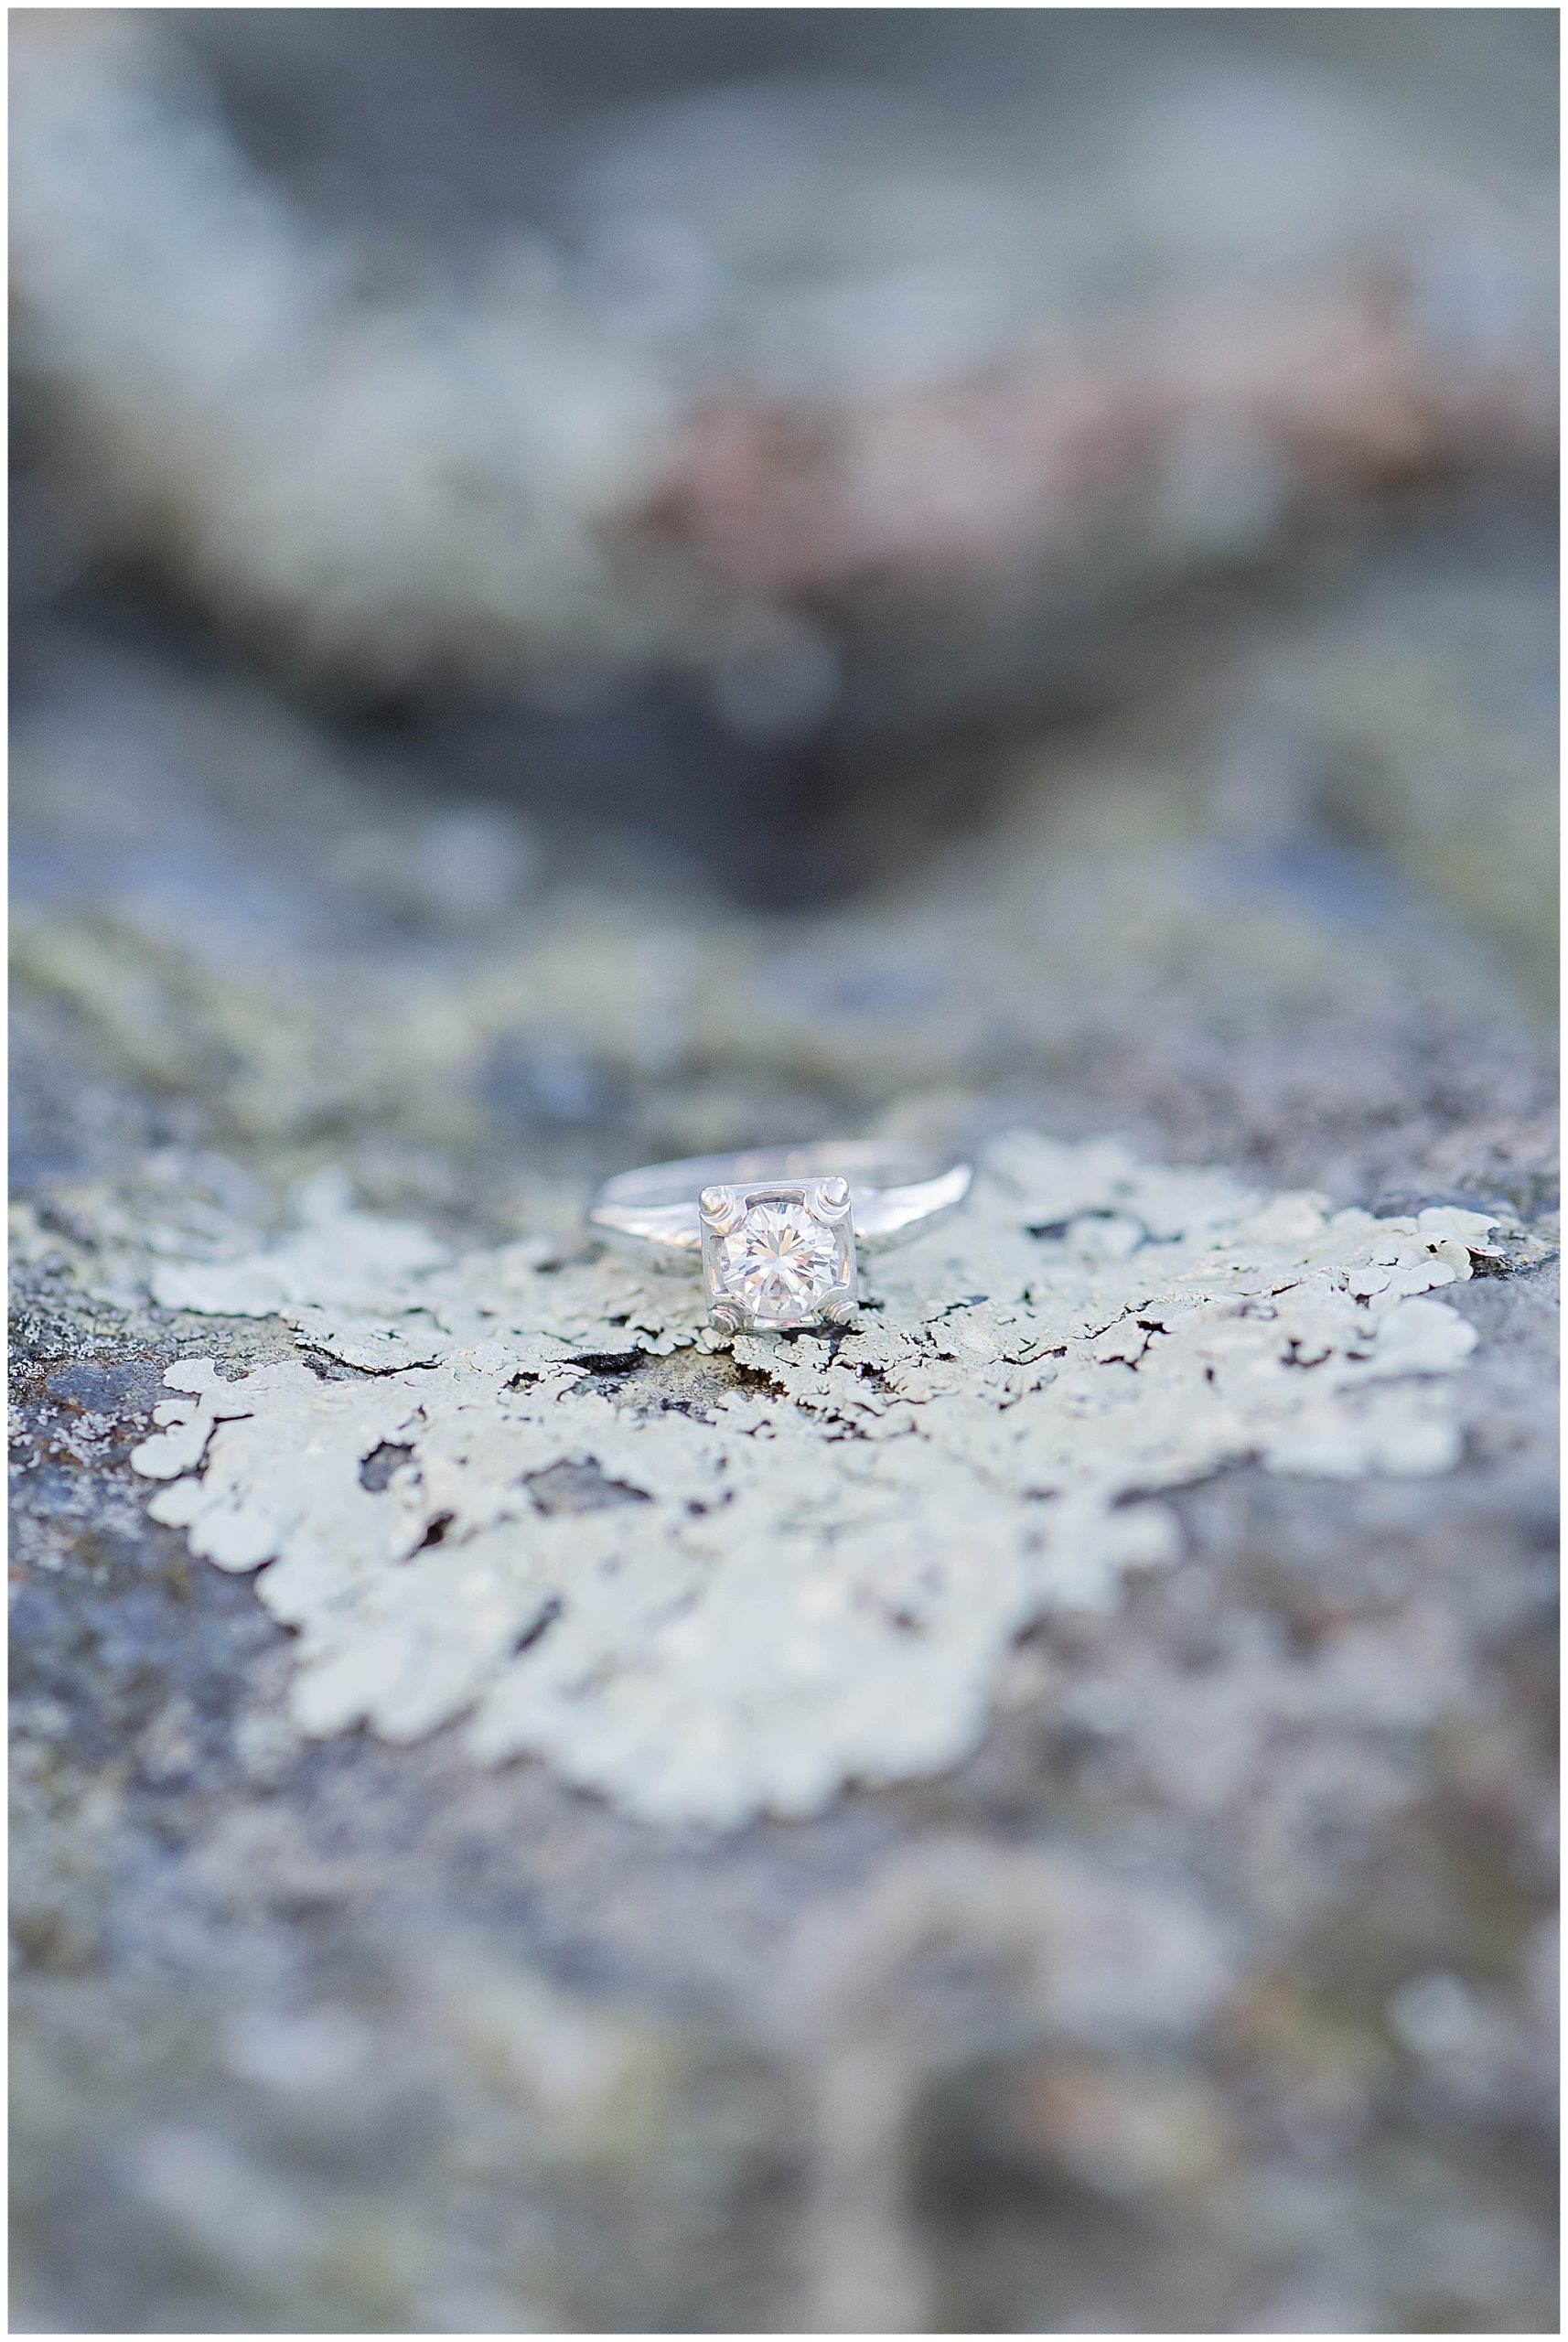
[[778, 1229]]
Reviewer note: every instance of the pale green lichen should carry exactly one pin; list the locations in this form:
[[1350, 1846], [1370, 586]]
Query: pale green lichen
[[830, 1557]]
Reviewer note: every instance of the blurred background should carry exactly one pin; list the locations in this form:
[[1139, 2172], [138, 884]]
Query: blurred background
[[591, 583]]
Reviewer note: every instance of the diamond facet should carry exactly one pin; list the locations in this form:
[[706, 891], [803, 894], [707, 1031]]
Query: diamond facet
[[780, 1260]]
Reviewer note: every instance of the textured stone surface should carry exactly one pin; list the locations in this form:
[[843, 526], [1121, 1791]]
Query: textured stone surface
[[1211, 1991], [832, 1563]]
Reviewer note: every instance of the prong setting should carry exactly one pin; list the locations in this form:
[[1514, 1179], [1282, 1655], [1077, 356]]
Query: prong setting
[[832, 1197], [721, 1210], [778, 1258]]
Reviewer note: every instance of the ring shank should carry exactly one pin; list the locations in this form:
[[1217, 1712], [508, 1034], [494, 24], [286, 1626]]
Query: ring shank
[[895, 1190]]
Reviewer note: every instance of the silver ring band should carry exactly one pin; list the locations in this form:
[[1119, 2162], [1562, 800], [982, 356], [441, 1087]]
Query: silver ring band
[[777, 1228]]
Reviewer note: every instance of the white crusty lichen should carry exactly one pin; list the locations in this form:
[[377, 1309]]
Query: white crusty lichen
[[810, 1573]]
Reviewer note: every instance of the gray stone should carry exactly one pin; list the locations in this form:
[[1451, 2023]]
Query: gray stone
[[1212, 1990], [344, 2035]]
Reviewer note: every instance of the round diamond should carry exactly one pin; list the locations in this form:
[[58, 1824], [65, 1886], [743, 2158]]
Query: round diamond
[[780, 1260]]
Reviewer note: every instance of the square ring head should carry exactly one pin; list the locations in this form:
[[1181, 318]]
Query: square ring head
[[778, 1258]]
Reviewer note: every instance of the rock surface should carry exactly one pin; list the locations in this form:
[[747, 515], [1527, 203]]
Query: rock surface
[[1199, 1978], [1210, 1991]]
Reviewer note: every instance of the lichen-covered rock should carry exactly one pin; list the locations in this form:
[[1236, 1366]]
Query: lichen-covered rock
[[824, 1574], [1186, 1965], [1209, 1988]]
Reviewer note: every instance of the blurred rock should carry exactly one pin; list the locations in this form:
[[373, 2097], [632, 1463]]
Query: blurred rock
[[351, 2037], [778, 375], [481, 2052]]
